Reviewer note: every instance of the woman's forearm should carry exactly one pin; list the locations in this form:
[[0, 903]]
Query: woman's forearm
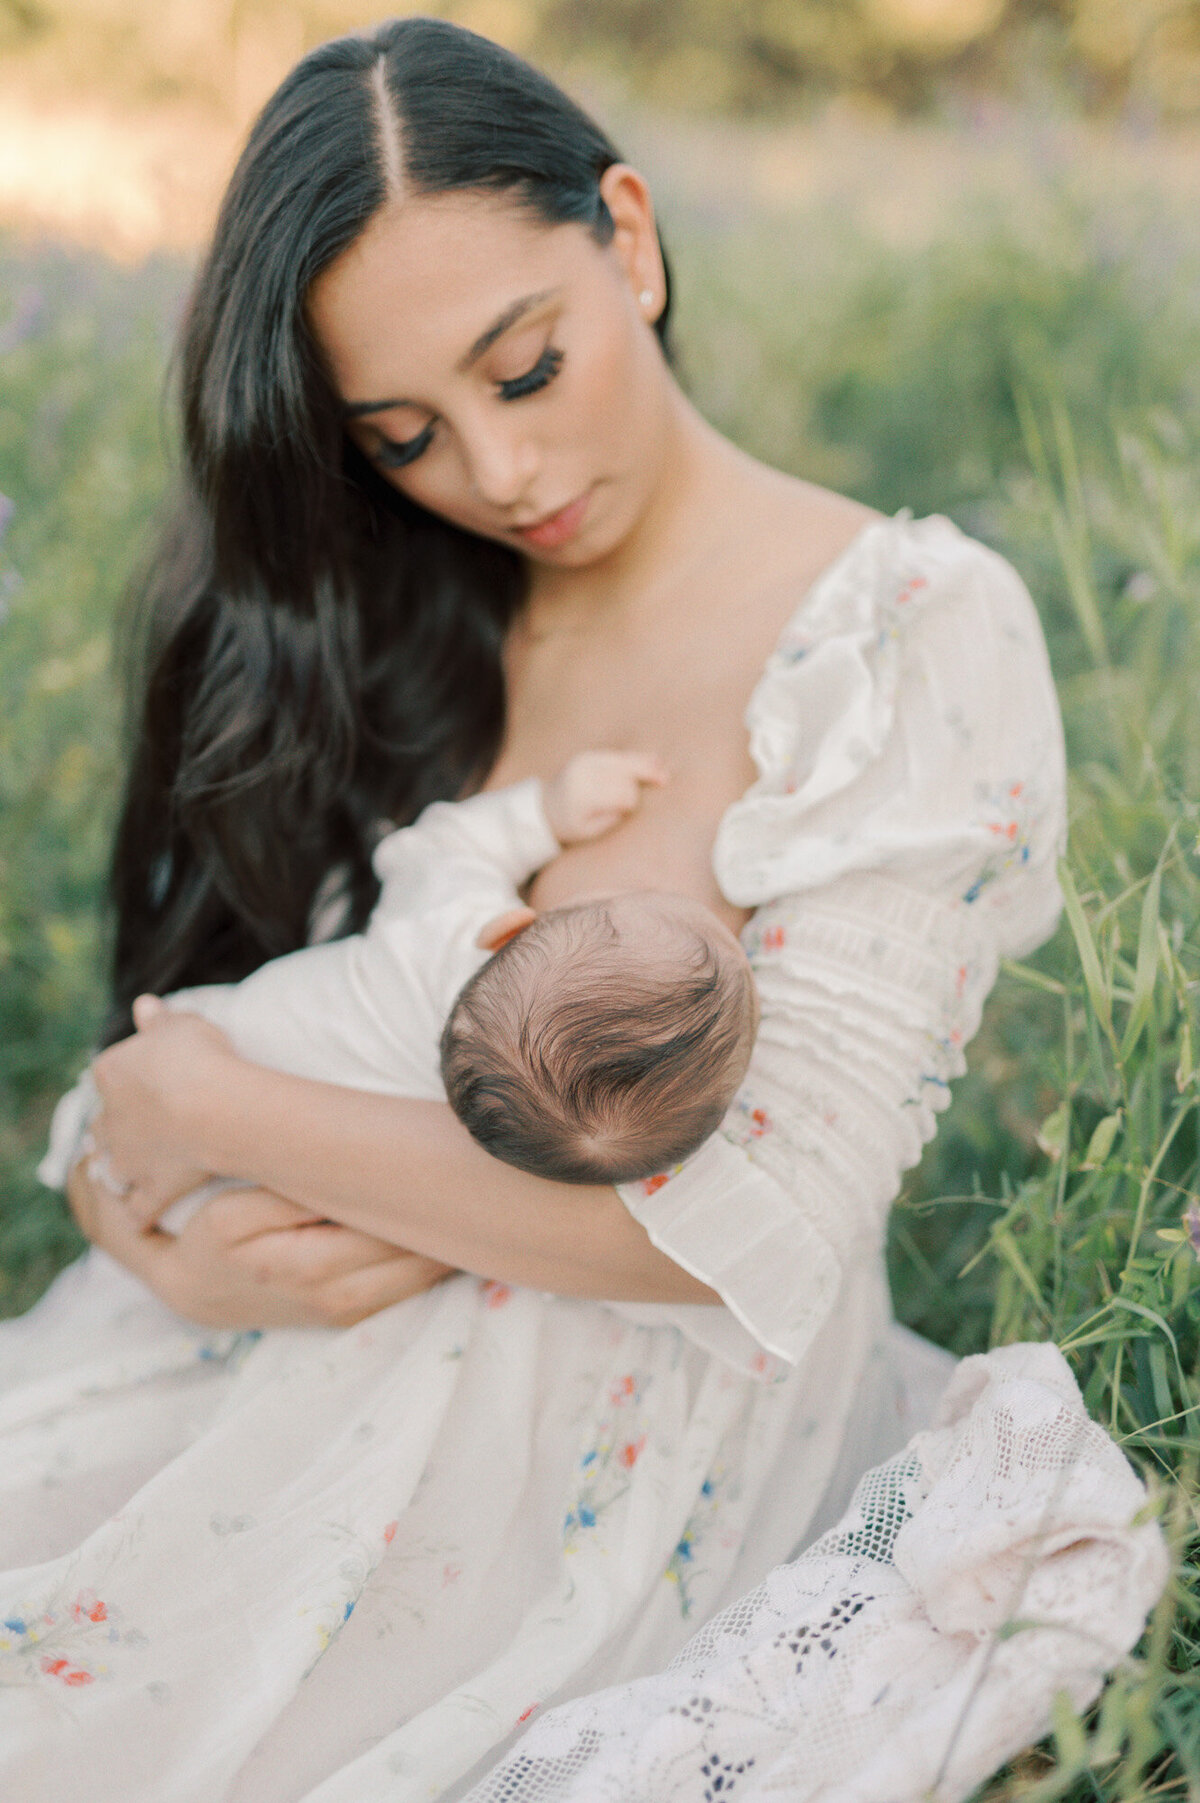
[[409, 1172]]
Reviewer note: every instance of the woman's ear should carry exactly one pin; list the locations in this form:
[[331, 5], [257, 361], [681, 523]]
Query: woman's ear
[[504, 927], [635, 236]]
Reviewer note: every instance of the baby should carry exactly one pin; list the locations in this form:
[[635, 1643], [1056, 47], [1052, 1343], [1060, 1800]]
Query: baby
[[597, 1042]]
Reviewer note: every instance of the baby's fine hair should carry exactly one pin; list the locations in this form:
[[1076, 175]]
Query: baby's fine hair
[[575, 1059]]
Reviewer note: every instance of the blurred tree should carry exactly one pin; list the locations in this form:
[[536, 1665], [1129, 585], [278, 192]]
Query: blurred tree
[[735, 55]]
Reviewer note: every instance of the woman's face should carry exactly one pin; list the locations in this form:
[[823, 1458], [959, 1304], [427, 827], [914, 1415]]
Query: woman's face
[[503, 372]]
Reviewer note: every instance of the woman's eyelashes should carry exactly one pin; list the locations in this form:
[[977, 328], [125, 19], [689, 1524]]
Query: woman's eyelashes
[[543, 372], [393, 454]]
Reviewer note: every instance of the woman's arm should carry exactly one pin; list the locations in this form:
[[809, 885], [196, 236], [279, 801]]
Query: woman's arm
[[179, 1102]]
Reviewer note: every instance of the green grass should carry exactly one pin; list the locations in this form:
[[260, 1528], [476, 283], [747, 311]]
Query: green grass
[[1035, 375]]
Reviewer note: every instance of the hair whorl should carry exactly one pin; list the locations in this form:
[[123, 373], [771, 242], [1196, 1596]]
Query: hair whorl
[[574, 1060]]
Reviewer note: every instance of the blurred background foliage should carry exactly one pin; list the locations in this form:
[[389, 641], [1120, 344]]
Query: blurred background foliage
[[938, 253], [1108, 54]]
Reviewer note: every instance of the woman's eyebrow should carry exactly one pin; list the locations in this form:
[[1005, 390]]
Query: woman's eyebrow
[[499, 326], [484, 342]]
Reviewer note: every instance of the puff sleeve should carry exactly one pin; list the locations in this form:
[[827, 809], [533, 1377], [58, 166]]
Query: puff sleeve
[[901, 837]]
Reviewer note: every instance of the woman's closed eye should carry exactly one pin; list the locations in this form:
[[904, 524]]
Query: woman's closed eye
[[395, 454], [540, 375]]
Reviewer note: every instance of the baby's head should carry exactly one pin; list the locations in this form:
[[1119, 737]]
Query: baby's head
[[605, 1041]]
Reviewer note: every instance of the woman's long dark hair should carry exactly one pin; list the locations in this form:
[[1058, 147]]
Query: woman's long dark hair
[[319, 654]]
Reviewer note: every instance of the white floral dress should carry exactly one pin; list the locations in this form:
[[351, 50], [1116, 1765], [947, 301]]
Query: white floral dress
[[345, 1566]]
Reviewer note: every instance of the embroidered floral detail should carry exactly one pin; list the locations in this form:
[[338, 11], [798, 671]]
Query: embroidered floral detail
[[61, 1644], [682, 1566], [88, 1607], [912, 587], [749, 1122], [650, 1186], [892, 609], [766, 932], [605, 1465], [1006, 814], [495, 1295], [348, 1575]]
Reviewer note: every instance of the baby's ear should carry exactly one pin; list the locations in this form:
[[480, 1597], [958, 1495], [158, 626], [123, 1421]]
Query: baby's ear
[[504, 927]]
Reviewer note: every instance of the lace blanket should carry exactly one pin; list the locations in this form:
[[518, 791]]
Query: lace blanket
[[1001, 1559]]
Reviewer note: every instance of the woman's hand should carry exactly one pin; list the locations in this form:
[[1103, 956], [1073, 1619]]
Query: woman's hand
[[250, 1259], [153, 1087]]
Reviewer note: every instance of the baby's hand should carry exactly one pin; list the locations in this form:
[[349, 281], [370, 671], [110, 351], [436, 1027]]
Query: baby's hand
[[596, 790]]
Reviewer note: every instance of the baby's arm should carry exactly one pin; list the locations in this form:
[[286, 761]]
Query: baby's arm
[[498, 839], [491, 842]]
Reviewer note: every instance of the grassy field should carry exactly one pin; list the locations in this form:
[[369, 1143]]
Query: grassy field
[[1032, 371]]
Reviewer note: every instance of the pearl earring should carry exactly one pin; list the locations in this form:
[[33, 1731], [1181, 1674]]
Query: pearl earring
[[646, 297]]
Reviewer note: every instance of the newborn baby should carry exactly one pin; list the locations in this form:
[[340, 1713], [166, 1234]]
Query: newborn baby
[[597, 1042]]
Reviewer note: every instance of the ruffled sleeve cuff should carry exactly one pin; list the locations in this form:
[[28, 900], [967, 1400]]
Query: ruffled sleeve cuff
[[729, 1224]]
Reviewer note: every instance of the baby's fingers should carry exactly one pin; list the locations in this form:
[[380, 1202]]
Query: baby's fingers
[[638, 769]]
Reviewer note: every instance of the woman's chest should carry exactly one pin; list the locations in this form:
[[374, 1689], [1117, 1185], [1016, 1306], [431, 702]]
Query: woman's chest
[[641, 693]]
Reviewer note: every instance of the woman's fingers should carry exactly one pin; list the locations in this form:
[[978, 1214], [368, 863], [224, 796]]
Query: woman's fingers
[[250, 1259], [107, 1223], [346, 1300], [148, 1085], [239, 1214], [302, 1257], [334, 1275]]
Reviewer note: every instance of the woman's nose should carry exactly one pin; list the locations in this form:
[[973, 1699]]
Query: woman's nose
[[503, 462]]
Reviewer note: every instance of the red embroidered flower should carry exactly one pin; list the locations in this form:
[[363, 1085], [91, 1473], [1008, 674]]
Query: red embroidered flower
[[496, 1294], [774, 939], [65, 1672], [631, 1452], [651, 1184]]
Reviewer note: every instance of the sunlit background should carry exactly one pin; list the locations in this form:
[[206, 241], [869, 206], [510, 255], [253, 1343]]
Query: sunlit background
[[120, 118], [939, 253]]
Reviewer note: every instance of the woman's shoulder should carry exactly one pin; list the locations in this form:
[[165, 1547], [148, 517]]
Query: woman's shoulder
[[827, 565], [907, 713], [891, 567]]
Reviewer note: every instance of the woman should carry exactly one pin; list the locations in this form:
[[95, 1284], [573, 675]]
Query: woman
[[448, 520]]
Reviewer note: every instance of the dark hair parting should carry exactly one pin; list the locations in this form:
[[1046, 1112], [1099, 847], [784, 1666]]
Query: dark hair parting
[[318, 653]]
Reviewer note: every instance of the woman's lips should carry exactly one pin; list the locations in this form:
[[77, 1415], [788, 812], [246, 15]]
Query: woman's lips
[[547, 534]]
